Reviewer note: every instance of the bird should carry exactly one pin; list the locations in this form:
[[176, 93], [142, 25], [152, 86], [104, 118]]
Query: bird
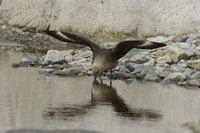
[[104, 59]]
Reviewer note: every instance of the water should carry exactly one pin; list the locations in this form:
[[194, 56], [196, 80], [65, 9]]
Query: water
[[29, 100]]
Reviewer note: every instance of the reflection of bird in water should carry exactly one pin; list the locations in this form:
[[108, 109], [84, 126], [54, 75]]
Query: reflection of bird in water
[[105, 93], [105, 59], [101, 93]]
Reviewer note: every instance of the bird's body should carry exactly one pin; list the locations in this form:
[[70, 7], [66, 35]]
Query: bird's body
[[104, 59]]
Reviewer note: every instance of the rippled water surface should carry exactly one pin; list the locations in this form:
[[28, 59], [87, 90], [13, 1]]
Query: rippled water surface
[[30, 100]]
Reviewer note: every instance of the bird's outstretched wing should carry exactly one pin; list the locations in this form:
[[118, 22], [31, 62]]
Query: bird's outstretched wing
[[72, 38], [123, 47]]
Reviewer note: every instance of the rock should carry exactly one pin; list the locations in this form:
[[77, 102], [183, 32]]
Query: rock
[[151, 62], [131, 66], [26, 62], [110, 45], [196, 75], [182, 63], [189, 51], [117, 75], [177, 68], [177, 76], [69, 58], [152, 77], [197, 52], [86, 54], [124, 70], [176, 54], [46, 71], [164, 60], [194, 82], [58, 66], [53, 56], [168, 80], [163, 72], [194, 64], [67, 52], [71, 71], [197, 42], [160, 53], [184, 45], [139, 59], [192, 37], [76, 64], [160, 39], [182, 83], [181, 38]]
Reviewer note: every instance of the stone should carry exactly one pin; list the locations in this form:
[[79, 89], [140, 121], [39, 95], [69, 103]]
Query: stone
[[110, 45], [70, 71], [167, 80], [46, 71], [177, 68], [195, 75], [176, 54], [197, 42], [69, 58], [160, 39], [189, 51], [194, 82], [118, 75], [131, 66], [182, 63], [53, 56], [197, 52], [27, 62], [181, 38], [139, 59], [164, 60], [152, 77], [67, 52], [182, 83], [177, 76], [193, 37], [86, 54], [195, 64], [163, 72], [151, 62], [76, 64], [160, 53], [124, 70]]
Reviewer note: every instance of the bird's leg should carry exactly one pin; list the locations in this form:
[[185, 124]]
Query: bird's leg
[[110, 73], [95, 77], [110, 77], [110, 82]]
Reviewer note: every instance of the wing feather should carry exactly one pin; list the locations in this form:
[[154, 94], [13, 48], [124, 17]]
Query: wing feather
[[72, 38], [124, 47]]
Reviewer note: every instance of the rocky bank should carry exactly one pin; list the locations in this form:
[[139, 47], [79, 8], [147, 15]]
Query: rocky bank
[[177, 63]]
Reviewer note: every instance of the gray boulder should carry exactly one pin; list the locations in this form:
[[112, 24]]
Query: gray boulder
[[53, 56], [176, 54]]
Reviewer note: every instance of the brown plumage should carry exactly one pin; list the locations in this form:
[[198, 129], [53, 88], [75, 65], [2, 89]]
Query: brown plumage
[[104, 59]]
